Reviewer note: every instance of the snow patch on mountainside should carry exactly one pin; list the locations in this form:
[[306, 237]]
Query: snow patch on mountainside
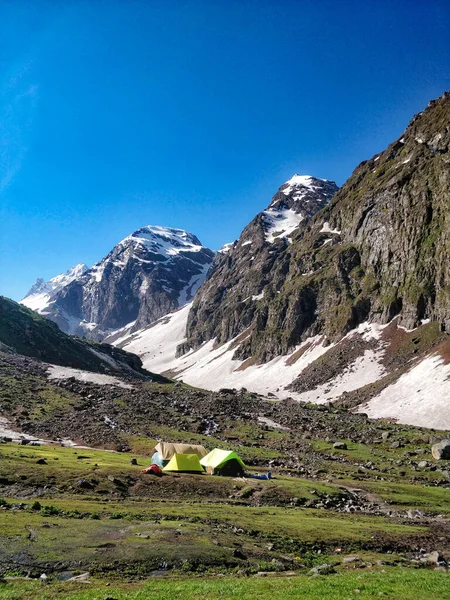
[[280, 223], [39, 296], [419, 397], [327, 229], [214, 368], [157, 343], [364, 370], [57, 373]]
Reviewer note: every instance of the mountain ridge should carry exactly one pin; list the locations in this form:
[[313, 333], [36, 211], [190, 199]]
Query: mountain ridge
[[146, 275], [352, 308]]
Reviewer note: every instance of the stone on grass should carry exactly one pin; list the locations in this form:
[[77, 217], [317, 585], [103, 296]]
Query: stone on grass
[[340, 445], [441, 450], [431, 557], [352, 559], [324, 569]]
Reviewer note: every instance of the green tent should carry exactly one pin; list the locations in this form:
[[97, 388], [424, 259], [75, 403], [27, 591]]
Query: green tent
[[185, 463], [223, 462]]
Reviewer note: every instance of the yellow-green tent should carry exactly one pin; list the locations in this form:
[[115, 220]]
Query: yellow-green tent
[[187, 463], [225, 461]]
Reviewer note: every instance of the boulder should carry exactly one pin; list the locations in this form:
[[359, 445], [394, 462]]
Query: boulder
[[441, 450], [340, 445], [431, 557], [324, 569]]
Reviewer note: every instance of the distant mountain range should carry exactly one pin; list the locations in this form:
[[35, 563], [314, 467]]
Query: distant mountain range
[[327, 295]]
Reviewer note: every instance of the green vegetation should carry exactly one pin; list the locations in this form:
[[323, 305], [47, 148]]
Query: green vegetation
[[395, 584]]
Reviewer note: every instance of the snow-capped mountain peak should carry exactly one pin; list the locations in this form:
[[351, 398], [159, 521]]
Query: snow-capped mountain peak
[[41, 293], [147, 275], [165, 241], [297, 199]]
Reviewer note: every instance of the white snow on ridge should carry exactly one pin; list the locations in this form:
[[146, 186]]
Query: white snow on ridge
[[60, 281], [226, 248], [300, 180], [419, 397], [280, 222], [164, 240], [40, 295], [327, 229]]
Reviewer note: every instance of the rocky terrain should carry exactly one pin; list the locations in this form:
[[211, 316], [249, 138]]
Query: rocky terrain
[[378, 250], [147, 275], [242, 274], [346, 491]]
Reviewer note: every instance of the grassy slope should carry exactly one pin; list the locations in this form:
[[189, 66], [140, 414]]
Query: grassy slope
[[193, 523], [28, 333]]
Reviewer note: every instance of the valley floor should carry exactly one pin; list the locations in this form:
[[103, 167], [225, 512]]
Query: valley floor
[[394, 584], [372, 514]]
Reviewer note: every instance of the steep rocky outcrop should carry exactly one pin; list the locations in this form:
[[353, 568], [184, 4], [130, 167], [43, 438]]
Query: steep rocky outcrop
[[242, 273], [147, 275], [380, 249]]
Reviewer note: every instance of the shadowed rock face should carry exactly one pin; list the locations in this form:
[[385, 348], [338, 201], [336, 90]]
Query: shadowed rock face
[[379, 249], [229, 300], [147, 275]]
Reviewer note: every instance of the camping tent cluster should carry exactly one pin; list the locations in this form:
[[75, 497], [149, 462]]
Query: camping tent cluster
[[189, 458]]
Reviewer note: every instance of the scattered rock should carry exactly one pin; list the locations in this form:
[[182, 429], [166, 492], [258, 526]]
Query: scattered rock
[[41, 461], [441, 450], [431, 557], [340, 445], [324, 569], [352, 559], [84, 484]]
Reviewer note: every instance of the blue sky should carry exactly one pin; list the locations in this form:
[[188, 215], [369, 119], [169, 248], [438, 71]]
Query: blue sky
[[115, 115]]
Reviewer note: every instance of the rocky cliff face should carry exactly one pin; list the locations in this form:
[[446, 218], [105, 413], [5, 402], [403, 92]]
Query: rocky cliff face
[[242, 274], [147, 275], [380, 249]]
